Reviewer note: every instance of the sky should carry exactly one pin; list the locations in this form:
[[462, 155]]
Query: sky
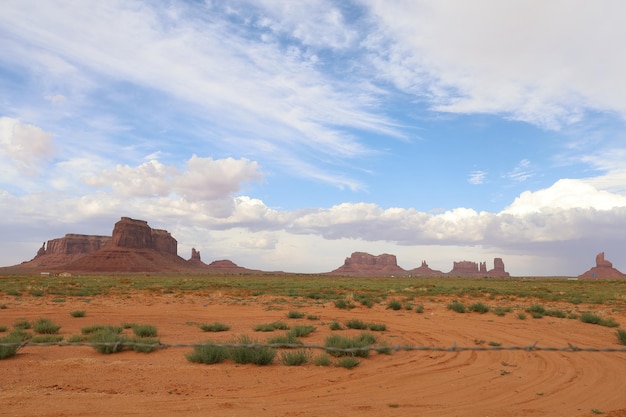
[[286, 135]]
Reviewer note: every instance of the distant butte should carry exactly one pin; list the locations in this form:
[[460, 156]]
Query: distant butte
[[133, 247], [603, 269]]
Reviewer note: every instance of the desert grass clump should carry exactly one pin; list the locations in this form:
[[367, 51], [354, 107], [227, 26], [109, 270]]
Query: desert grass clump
[[46, 326], [591, 318], [301, 331], [521, 316], [22, 325], [394, 305], [479, 308], [322, 360], [356, 324], [214, 327], [78, 313], [87, 330], [343, 304], [335, 325], [108, 341], [295, 357], [295, 314], [249, 351], [46, 338], [419, 308], [286, 339], [3, 328], [501, 311], [457, 306], [208, 353], [13, 343], [536, 311], [144, 344], [377, 327], [621, 336], [3, 307], [312, 317], [339, 346], [348, 362]]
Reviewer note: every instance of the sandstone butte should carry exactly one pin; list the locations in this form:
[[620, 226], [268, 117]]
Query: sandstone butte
[[136, 247], [133, 247], [603, 270], [364, 264]]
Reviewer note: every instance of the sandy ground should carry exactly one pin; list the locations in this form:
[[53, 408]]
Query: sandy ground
[[79, 381]]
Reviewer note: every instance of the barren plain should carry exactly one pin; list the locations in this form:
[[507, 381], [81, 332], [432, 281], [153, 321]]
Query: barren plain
[[496, 381]]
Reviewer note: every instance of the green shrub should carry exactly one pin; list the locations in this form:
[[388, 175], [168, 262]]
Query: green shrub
[[214, 327], [348, 362], [145, 344], [334, 325], [301, 331], [501, 311], [377, 327], [259, 355], [3, 329], [87, 330], [361, 345], [572, 316], [286, 339], [46, 326], [322, 360], [621, 336], [394, 305], [419, 308], [456, 306], [76, 338], [267, 327], [343, 304], [521, 316], [555, 313], [3, 307], [312, 317], [356, 324], [22, 325], [7, 351], [479, 308], [295, 357], [536, 311], [36, 293], [295, 315], [591, 318], [78, 313], [108, 340], [280, 325], [208, 353], [384, 349], [46, 338]]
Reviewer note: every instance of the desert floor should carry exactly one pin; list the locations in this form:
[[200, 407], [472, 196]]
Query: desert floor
[[79, 381]]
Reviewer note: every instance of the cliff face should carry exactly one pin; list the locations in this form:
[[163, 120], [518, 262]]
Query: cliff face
[[364, 264], [603, 269], [131, 233], [73, 244], [472, 269]]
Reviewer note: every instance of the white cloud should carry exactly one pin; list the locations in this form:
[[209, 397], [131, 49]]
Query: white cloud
[[477, 177], [522, 172], [24, 146], [535, 61]]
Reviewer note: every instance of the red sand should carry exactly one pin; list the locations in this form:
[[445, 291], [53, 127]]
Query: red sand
[[78, 381]]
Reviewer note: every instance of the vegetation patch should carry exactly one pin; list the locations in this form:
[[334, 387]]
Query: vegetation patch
[[214, 327], [591, 318], [295, 314], [301, 331], [254, 353], [295, 357], [208, 353], [348, 362], [394, 305], [621, 336], [479, 308], [339, 346], [356, 324], [78, 313], [144, 330], [457, 306], [46, 326]]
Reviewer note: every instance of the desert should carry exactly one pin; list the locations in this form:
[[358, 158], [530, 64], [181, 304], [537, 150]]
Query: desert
[[494, 358]]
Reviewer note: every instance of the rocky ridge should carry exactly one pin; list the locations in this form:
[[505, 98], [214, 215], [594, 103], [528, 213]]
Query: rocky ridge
[[603, 269]]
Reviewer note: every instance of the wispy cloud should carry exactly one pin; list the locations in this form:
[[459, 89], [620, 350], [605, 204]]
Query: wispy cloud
[[522, 172], [477, 177]]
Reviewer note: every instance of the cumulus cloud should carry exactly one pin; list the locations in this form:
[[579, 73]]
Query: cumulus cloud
[[202, 179], [24, 146]]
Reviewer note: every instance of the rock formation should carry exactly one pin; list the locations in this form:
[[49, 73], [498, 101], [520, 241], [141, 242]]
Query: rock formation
[[603, 269], [364, 264], [472, 269], [425, 270], [131, 233]]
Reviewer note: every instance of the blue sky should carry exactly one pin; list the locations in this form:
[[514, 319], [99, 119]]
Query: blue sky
[[287, 135]]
